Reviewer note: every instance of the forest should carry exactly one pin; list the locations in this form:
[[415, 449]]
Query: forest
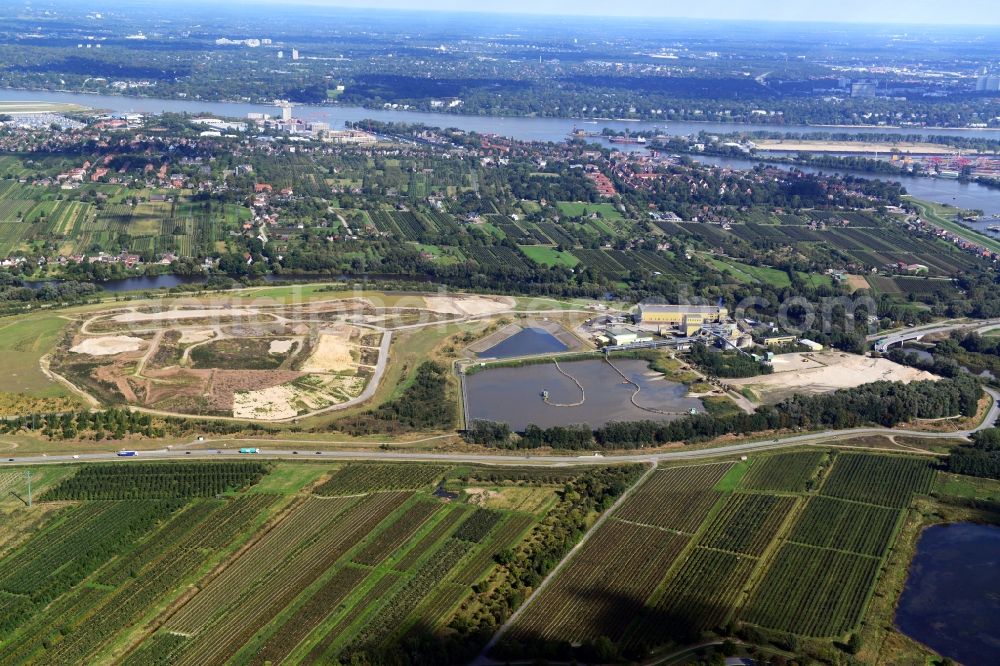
[[729, 364], [423, 405], [981, 458]]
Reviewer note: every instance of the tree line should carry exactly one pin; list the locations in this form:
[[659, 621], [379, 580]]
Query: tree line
[[880, 403]]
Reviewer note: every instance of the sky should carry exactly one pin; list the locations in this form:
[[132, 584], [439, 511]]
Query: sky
[[971, 12]]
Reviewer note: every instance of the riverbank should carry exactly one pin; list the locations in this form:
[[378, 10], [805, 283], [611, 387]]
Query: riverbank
[[852, 147], [36, 108], [935, 215]]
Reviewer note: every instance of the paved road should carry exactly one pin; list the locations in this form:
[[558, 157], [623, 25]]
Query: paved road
[[312, 449], [897, 337]]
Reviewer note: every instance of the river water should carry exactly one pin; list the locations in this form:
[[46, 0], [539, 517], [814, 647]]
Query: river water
[[525, 129], [951, 601]]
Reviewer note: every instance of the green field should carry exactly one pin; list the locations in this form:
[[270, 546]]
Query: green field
[[440, 255], [22, 343], [28, 106], [549, 256], [607, 211], [748, 274]]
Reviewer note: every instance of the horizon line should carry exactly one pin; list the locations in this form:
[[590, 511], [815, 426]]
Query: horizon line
[[320, 4]]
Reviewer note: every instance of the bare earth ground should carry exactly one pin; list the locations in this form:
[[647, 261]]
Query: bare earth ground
[[824, 372], [168, 315], [146, 353], [280, 346], [857, 282], [190, 337], [332, 352], [266, 404], [108, 345], [469, 305]]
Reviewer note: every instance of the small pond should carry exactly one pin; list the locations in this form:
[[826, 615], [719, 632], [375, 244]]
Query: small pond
[[526, 342], [951, 601]]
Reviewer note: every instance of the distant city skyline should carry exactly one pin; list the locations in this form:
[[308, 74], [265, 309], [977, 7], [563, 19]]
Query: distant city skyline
[[956, 12]]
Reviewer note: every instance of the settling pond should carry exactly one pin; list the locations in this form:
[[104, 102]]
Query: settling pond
[[525, 342], [513, 395], [951, 601]]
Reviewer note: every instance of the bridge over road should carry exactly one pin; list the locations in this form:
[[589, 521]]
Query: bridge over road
[[883, 341]]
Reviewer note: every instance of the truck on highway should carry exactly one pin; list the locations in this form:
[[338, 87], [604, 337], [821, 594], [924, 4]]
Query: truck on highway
[[127, 454], [248, 450]]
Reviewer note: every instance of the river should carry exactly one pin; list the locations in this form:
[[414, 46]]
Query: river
[[963, 195], [524, 129]]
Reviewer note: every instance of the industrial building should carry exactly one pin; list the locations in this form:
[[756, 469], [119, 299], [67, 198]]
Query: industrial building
[[625, 336], [686, 317], [988, 83], [813, 346], [864, 89]]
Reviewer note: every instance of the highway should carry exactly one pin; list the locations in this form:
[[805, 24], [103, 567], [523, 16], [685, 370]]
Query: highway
[[311, 449]]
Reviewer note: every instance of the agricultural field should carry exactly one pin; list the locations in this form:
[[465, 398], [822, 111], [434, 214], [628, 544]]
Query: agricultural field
[[213, 562], [878, 480], [792, 543], [870, 242], [788, 472], [677, 499], [69, 223], [307, 562]]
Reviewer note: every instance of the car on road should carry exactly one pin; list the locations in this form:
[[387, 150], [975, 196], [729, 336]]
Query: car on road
[[76, 457]]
